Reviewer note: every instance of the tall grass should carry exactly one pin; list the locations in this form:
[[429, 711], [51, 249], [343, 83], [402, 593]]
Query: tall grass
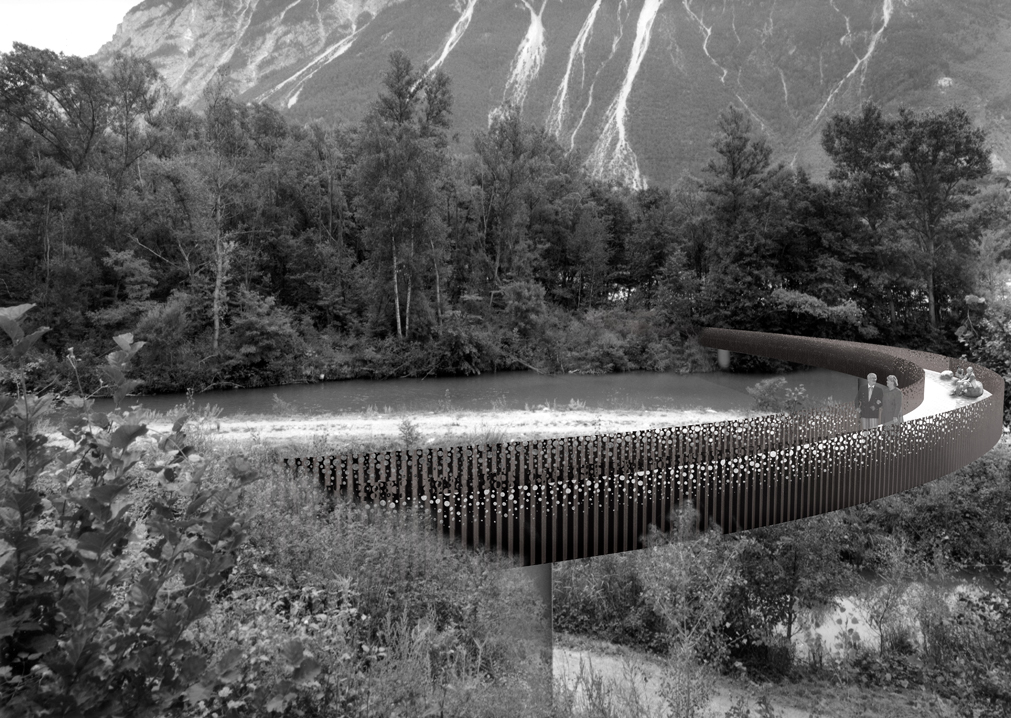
[[400, 621]]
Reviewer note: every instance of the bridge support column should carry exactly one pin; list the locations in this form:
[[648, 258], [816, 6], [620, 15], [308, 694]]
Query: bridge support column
[[540, 577], [723, 358]]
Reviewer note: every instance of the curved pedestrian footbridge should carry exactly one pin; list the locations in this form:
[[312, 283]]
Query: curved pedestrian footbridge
[[580, 496]]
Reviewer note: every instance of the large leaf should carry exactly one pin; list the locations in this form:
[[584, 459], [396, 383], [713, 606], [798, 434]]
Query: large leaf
[[6, 552], [22, 347], [44, 643], [112, 374], [24, 501], [307, 670], [230, 660], [198, 607], [100, 420], [192, 667], [12, 328], [199, 500], [98, 542], [216, 530], [144, 589], [124, 388], [10, 518], [37, 407], [179, 423], [229, 667], [124, 341], [107, 493], [15, 313], [9, 320], [90, 598], [277, 704], [8, 626], [198, 692], [123, 436]]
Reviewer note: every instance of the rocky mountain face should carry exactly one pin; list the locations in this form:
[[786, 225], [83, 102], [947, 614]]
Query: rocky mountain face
[[633, 86]]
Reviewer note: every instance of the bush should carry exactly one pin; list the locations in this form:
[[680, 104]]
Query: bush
[[971, 650], [262, 346], [960, 518], [128, 585], [603, 597], [775, 395], [96, 599], [390, 611]]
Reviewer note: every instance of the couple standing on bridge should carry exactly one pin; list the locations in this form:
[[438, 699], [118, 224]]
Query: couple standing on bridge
[[878, 405]]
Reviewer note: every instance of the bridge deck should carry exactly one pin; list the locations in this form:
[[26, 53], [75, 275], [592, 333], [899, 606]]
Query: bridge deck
[[562, 498], [937, 397]]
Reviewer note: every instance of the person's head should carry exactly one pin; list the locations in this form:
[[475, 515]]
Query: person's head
[[872, 379], [960, 372], [892, 381], [969, 374]]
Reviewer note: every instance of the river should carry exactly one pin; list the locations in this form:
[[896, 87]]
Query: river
[[718, 391]]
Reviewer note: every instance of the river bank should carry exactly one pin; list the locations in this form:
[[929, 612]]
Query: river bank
[[378, 428], [288, 426]]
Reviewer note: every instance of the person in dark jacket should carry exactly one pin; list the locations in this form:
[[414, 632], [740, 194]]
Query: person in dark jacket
[[869, 401], [891, 407]]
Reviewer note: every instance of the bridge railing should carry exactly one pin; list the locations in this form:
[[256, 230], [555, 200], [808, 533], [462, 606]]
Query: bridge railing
[[854, 358], [573, 497]]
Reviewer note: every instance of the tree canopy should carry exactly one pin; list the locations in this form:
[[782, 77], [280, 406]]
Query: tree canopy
[[250, 250]]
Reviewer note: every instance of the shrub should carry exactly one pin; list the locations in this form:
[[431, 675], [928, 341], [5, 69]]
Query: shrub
[[410, 434], [775, 395], [970, 649], [689, 579], [96, 600], [127, 585], [391, 611], [261, 344], [603, 597]]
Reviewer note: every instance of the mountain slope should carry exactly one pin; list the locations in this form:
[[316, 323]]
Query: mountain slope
[[634, 86]]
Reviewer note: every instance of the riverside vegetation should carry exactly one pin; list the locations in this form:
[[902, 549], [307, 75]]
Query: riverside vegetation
[[246, 250], [152, 575], [155, 577]]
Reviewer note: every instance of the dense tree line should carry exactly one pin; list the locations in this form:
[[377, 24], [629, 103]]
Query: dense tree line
[[246, 250]]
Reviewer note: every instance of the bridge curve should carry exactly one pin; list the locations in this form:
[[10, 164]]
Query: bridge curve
[[574, 497]]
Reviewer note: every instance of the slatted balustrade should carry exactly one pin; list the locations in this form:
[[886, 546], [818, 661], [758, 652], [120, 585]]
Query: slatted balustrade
[[574, 497]]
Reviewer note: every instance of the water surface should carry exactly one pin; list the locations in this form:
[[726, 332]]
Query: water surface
[[509, 391]]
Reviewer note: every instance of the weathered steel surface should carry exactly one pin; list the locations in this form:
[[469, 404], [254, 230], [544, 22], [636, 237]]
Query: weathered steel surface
[[574, 497]]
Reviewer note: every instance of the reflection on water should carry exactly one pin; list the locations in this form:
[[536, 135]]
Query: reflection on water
[[511, 391]]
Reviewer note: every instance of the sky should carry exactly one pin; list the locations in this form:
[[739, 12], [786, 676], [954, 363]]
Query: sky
[[73, 27]]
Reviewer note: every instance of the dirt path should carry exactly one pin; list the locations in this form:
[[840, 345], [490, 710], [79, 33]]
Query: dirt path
[[613, 663], [826, 698]]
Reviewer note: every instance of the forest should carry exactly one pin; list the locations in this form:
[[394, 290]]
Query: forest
[[249, 251]]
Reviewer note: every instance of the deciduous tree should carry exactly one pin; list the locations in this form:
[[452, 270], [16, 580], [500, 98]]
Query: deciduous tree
[[941, 154], [907, 178], [65, 100], [401, 154]]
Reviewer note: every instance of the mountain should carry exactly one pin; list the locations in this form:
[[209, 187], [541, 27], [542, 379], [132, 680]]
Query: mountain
[[634, 86]]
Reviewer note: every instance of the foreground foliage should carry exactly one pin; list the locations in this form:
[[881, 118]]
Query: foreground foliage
[[101, 583], [155, 577]]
